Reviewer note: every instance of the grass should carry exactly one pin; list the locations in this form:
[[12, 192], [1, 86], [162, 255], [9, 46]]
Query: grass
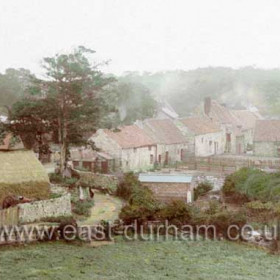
[[139, 260]]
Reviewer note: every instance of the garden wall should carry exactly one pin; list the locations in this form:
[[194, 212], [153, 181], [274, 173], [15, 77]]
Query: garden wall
[[98, 181], [38, 210]]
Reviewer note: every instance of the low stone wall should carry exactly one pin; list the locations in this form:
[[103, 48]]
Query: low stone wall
[[98, 181], [38, 210]]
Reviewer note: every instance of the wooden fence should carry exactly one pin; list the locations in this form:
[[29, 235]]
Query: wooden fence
[[9, 217]]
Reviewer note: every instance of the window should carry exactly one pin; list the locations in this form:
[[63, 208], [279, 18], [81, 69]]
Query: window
[[202, 139], [210, 143], [134, 150], [150, 148], [159, 159], [151, 159]]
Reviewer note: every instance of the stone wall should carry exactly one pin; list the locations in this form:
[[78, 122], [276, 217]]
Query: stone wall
[[205, 144], [134, 159], [38, 210], [104, 182], [266, 149], [167, 192]]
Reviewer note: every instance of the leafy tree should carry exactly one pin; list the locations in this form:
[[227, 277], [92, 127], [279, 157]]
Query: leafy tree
[[13, 85], [69, 104], [134, 102]]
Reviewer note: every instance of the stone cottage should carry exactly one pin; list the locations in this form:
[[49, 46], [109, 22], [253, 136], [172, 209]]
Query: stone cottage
[[267, 138], [238, 125], [205, 137], [171, 144], [129, 145], [88, 159], [169, 187]]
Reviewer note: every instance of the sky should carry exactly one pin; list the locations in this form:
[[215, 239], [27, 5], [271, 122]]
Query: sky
[[142, 35]]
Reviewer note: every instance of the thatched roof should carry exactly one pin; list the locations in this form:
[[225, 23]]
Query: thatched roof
[[21, 173]]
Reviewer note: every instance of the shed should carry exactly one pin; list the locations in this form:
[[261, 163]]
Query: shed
[[169, 187], [97, 162]]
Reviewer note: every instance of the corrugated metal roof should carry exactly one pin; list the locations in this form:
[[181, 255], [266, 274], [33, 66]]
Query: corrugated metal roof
[[165, 178]]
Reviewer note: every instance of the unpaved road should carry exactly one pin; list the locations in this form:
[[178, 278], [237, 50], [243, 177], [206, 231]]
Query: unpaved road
[[106, 207]]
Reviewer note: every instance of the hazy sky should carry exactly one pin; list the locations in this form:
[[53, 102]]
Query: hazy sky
[[144, 35]]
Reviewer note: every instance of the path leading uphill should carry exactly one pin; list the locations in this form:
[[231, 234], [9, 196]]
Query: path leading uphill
[[106, 207]]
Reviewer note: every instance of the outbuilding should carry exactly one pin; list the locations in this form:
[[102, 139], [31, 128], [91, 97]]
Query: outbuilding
[[169, 187]]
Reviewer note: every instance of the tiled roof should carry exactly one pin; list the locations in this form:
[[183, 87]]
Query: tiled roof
[[247, 118], [267, 131], [163, 131], [130, 136], [223, 114], [200, 125]]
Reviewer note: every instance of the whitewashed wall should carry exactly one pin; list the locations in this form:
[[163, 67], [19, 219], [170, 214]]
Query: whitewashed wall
[[38, 210], [203, 146], [133, 159]]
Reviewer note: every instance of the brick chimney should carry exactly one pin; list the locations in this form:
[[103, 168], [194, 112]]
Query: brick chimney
[[207, 105]]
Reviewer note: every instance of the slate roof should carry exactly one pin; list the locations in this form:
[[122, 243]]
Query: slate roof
[[163, 131], [130, 136], [164, 178], [200, 125], [267, 131]]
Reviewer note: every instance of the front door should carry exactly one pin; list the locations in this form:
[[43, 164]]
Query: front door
[[104, 167], [166, 158]]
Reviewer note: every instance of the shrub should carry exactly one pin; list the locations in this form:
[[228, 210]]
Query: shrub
[[273, 189], [82, 208], [126, 187], [214, 207], [221, 221], [177, 212], [258, 205], [255, 186], [250, 184], [202, 189], [130, 213], [56, 178]]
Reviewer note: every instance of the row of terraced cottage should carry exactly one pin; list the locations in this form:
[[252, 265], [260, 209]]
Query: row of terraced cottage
[[168, 140]]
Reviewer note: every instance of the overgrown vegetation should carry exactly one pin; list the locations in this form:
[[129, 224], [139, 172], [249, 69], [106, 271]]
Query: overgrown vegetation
[[142, 207], [82, 208], [252, 184], [64, 182], [202, 189]]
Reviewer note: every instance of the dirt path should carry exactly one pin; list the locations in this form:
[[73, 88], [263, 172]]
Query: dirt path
[[106, 207]]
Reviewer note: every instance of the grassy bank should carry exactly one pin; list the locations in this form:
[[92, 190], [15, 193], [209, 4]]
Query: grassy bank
[[138, 260]]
